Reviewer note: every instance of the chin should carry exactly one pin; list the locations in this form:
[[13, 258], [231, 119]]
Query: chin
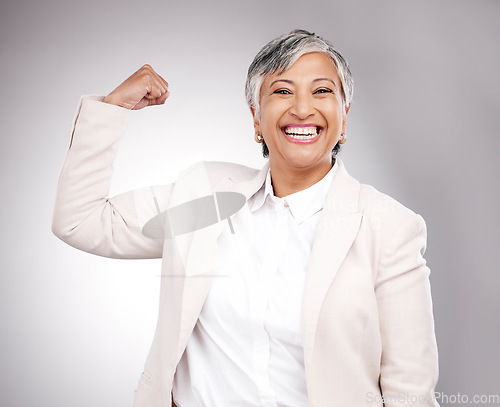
[[306, 162]]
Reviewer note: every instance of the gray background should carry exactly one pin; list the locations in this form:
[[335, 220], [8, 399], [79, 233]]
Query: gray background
[[423, 127]]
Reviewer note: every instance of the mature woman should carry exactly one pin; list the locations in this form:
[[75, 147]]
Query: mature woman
[[314, 294]]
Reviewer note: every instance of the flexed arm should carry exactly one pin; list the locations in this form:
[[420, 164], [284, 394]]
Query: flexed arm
[[84, 216]]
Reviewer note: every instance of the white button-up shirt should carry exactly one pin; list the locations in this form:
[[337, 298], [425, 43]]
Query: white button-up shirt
[[246, 348]]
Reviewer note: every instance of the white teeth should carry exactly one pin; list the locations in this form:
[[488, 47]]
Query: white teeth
[[301, 132], [301, 137]]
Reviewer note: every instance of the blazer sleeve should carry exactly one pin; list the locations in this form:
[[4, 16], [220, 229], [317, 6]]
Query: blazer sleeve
[[409, 365], [84, 216]]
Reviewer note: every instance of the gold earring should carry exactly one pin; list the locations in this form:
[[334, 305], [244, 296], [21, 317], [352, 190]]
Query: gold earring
[[258, 137], [342, 139]]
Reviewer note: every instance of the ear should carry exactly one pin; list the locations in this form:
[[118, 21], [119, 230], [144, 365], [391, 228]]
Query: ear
[[344, 120], [256, 120]]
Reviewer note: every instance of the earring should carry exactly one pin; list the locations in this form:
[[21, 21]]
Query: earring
[[258, 137], [342, 139]]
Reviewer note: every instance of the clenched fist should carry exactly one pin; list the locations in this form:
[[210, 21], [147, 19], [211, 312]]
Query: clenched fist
[[143, 88]]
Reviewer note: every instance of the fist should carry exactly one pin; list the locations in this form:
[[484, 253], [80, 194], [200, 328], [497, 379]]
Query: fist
[[143, 88]]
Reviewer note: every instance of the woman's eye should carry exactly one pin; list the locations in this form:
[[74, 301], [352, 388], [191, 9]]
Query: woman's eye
[[283, 92], [324, 90]]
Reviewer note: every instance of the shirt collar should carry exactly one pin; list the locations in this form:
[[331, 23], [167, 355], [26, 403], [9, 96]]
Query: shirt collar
[[302, 204]]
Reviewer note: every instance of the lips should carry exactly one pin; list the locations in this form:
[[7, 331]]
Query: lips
[[302, 133]]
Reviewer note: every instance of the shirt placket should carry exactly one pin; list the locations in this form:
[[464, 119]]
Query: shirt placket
[[276, 224]]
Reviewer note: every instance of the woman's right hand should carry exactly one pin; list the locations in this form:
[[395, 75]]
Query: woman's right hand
[[143, 88]]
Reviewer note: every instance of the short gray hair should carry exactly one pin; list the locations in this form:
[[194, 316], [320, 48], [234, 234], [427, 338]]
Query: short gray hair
[[282, 52]]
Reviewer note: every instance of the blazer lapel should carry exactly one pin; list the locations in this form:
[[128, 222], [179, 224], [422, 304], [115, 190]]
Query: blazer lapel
[[337, 230], [246, 186], [192, 253], [197, 251]]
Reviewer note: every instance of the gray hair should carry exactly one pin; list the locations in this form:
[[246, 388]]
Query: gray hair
[[282, 52]]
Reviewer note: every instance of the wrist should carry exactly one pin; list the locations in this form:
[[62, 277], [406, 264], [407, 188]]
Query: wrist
[[110, 99]]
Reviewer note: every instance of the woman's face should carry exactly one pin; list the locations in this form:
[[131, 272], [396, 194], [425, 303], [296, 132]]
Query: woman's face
[[302, 115]]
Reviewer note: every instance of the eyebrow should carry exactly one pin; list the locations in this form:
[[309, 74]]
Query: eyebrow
[[325, 79], [315, 80]]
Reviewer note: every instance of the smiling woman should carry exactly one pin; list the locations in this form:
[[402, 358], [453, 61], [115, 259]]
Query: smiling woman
[[302, 118], [325, 299]]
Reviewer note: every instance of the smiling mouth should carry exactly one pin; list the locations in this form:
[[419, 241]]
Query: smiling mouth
[[303, 133]]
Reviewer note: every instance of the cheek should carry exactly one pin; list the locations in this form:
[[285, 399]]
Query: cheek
[[334, 116], [269, 118], [273, 109]]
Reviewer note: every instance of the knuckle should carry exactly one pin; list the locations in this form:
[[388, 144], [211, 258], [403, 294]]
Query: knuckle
[[146, 77]]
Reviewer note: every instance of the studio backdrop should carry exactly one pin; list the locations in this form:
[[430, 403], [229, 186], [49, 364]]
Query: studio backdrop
[[423, 127]]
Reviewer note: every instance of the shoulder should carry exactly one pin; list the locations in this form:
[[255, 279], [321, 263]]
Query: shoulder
[[371, 200], [387, 216], [367, 199], [382, 215]]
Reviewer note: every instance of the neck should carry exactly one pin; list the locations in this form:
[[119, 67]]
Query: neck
[[288, 181]]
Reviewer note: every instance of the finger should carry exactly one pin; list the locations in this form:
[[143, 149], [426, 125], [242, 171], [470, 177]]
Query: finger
[[155, 87], [142, 103], [152, 80], [146, 68], [161, 86], [154, 93], [153, 76], [161, 83], [157, 76], [153, 102], [159, 100]]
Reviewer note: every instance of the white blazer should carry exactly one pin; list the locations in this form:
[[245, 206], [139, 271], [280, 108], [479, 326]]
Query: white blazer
[[367, 320]]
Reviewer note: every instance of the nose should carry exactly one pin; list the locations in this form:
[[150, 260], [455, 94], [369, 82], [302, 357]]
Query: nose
[[303, 105]]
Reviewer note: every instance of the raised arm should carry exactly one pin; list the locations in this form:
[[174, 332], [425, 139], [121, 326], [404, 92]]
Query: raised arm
[[84, 216]]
